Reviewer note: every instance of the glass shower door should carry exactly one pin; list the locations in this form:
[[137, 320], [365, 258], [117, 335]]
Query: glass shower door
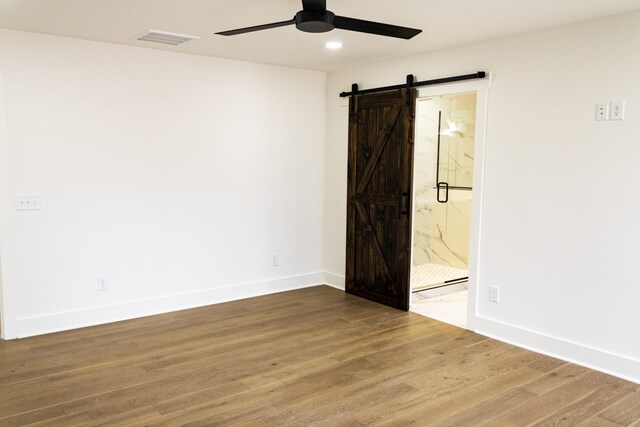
[[443, 181]]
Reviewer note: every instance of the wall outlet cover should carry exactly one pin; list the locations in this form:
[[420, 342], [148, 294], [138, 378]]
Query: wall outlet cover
[[494, 294]]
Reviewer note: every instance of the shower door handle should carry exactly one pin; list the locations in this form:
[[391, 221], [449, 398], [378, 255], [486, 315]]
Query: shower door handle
[[444, 185]]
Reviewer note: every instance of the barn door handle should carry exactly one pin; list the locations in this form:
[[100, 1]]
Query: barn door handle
[[444, 185], [404, 203]]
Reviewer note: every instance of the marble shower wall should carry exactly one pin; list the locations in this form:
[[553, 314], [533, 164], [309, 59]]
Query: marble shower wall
[[442, 230]]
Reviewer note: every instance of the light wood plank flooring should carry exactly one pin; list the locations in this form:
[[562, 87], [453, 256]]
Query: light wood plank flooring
[[315, 356]]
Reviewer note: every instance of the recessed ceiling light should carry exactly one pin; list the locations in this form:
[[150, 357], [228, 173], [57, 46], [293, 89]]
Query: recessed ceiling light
[[333, 45]]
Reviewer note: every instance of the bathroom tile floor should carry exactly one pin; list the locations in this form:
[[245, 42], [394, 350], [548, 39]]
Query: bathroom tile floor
[[449, 308]]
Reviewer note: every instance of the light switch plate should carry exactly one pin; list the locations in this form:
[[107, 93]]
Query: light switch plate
[[617, 110], [602, 111], [27, 202]]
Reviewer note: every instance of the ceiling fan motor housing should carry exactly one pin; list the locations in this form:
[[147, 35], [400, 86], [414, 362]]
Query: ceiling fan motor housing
[[315, 22]]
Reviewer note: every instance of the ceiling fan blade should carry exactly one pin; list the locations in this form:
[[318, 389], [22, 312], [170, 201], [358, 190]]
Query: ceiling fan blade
[[257, 28], [314, 5], [352, 24]]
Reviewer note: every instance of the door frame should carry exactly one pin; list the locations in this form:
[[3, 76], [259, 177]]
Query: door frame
[[481, 88]]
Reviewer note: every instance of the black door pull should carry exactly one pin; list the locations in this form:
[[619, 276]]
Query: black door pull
[[404, 202]]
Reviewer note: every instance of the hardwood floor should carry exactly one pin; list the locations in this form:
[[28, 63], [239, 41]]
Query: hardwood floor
[[314, 356]]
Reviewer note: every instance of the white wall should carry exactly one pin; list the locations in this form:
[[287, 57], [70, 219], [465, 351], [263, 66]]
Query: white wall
[[560, 224], [176, 176]]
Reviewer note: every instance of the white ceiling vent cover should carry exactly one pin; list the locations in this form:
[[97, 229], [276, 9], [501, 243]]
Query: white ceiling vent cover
[[164, 37]]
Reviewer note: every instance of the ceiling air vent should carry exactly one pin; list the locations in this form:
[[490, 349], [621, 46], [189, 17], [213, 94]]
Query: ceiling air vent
[[164, 37]]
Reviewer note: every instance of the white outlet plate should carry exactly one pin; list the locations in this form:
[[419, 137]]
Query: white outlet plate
[[103, 283], [27, 202], [617, 110], [494, 294], [602, 111], [275, 260]]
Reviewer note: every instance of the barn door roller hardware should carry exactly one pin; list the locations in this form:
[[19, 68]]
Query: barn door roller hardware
[[408, 89], [411, 84]]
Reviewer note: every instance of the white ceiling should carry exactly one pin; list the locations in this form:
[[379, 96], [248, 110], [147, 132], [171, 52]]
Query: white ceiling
[[444, 23]]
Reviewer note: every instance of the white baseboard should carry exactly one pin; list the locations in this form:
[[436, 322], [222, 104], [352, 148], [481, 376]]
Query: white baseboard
[[589, 357], [579, 354], [56, 322], [334, 280], [599, 360]]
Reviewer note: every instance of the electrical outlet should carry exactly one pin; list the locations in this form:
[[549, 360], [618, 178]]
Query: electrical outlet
[[494, 294], [275, 260], [602, 111], [617, 110], [103, 283]]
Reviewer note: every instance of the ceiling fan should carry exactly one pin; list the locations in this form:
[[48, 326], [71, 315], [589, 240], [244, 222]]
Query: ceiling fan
[[315, 18]]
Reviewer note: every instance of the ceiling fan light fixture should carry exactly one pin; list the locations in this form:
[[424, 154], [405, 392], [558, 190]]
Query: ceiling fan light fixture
[[333, 45]]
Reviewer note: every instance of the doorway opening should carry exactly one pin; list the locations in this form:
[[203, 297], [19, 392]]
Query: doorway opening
[[445, 133]]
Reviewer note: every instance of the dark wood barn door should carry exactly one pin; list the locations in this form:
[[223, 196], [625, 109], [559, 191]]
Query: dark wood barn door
[[381, 129]]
